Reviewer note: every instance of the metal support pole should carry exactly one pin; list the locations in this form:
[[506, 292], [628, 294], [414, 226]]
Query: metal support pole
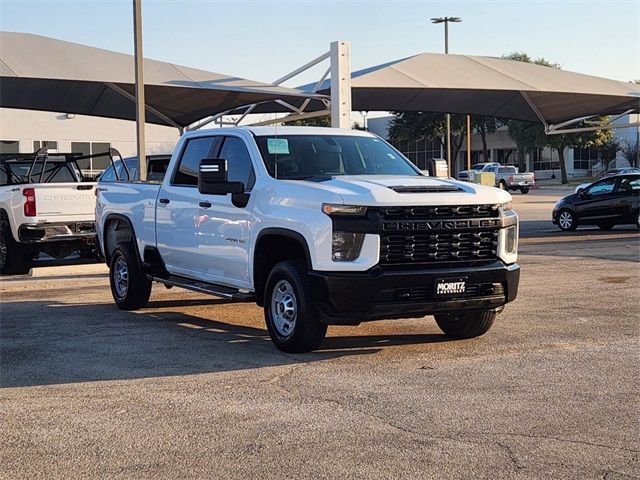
[[469, 143], [140, 103], [449, 143], [340, 85]]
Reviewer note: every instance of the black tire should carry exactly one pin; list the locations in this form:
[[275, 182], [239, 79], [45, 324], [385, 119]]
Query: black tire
[[292, 320], [606, 226], [130, 287], [524, 190], [567, 220], [14, 258], [638, 219], [467, 324], [503, 185]]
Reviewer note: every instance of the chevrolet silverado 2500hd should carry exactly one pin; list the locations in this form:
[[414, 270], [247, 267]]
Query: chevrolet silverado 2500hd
[[318, 226], [45, 207]]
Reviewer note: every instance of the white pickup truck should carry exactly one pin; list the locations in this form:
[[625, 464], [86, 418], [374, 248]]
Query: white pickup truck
[[508, 178], [318, 226], [45, 207]]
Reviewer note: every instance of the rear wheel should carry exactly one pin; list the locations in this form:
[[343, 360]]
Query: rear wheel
[[467, 324], [290, 313], [638, 219], [567, 220], [13, 256], [524, 190], [130, 287]]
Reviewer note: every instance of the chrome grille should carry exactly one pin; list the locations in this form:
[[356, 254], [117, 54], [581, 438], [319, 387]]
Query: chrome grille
[[400, 247]]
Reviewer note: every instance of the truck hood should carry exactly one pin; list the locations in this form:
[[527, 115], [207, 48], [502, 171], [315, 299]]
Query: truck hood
[[372, 190]]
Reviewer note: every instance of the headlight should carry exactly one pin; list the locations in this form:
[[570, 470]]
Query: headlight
[[332, 209], [507, 207], [346, 246]]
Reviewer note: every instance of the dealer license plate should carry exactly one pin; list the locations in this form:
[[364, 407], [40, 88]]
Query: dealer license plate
[[450, 287]]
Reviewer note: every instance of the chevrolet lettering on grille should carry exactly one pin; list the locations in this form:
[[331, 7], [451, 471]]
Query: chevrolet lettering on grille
[[473, 224]]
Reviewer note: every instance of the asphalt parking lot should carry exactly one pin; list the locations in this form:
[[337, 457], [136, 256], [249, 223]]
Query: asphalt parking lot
[[191, 387]]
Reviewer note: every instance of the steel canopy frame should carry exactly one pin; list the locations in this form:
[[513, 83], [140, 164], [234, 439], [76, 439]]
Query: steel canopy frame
[[339, 105]]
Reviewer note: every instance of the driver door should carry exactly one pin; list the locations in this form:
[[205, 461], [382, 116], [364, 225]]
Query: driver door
[[596, 201]]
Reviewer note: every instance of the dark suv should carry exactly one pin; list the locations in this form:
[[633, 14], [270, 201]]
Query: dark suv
[[605, 203]]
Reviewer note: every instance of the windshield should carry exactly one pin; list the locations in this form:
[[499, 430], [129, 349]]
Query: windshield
[[477, 167], [296, 157]]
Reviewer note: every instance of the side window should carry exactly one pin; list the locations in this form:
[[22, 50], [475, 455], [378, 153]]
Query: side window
[[627, 184], [109, 175], [239, 168], [195, 150], [602, 188]]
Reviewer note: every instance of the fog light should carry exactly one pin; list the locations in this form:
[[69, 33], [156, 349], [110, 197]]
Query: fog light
[[346, 246], [511, 237]]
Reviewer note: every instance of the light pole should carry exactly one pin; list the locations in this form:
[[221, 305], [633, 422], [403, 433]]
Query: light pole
[[446, 21]]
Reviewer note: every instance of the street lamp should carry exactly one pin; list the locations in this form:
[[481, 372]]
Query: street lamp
[[446, 21]]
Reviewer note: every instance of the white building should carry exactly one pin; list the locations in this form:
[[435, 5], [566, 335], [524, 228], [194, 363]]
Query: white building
[[544, 163], [25, 131]]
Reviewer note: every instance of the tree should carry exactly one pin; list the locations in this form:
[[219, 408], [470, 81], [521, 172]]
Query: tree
[[597, 139], [420, 126], [485, 126], [323, 121], [527, 136], [631, 152]]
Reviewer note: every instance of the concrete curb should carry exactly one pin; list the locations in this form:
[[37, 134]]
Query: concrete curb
[[68, 270]]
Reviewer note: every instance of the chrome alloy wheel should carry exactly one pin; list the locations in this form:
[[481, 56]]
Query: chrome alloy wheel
[[284, 308], [565, 220], [121, 277]]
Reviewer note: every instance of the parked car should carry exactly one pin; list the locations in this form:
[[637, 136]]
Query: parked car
[[318, 226], [45, 207], [610, 173], [478, 167], [605, 203], [508, 178], [156, 168]]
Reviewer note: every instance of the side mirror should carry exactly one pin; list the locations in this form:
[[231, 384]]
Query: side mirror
[[212, 178]]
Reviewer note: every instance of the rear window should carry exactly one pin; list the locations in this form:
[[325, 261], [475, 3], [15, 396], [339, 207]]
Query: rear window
[[507, 170]]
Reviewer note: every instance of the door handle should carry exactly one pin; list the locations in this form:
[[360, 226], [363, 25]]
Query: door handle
[[205, 204], [164, 201]]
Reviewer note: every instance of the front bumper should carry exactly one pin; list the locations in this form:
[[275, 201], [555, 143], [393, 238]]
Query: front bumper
[[81, 232], [351, 298]]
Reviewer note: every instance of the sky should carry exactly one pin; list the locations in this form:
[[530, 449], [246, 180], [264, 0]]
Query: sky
[[263, 40]]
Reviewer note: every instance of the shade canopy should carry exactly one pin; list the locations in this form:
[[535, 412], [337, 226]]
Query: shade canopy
[[495, 87], [488, 86], [40, 73]]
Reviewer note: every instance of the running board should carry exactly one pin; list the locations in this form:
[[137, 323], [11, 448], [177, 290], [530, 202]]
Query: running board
[[202, 287]]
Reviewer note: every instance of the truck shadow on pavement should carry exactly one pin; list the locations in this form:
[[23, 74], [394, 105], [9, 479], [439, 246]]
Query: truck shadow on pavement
[[47, 343]]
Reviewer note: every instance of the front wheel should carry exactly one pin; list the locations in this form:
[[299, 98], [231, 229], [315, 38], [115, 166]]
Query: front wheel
[[567, 220], [290, 313], [467, 324], [502, 185], [130, 287]]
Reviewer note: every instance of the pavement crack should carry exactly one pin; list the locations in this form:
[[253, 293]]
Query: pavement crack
[[557, 439]]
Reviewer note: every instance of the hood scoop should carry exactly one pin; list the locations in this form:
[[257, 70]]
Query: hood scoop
[[426, 189]]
